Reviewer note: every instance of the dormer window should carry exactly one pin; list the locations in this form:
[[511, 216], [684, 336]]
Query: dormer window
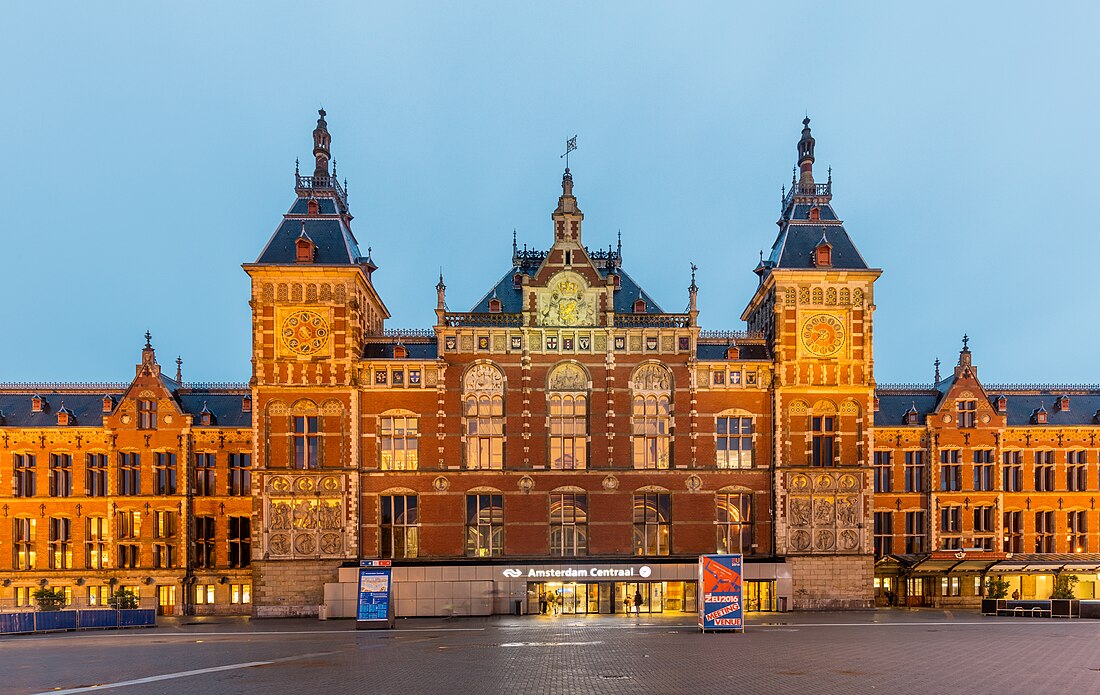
[[876, 404], [38, 404], [823, 254], [618, 281], [1002, 405], [304, 249], [313, 207], [911, 416], [65, 416], [815, 213], [401, 352], [733, 352], [639, 306], [494, 306], [246, 404], [1039, 416], [1062, 403], [108, 404], [205, 416], [517, 280]]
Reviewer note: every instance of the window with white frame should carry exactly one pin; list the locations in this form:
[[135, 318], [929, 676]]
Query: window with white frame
[[483, 412], [567, 402], [733, 441], [398, 442]]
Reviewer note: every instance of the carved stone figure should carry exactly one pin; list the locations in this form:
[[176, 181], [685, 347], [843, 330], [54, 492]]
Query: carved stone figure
[[305, 545], [651, 377], [800, 540], [329, 515], [280, 516], [849, 539], [800, 511], [568, 377], [846, 511], [305, 515], [280, 544], [484, 377], [823, 512], [825, 539], [331, 543]]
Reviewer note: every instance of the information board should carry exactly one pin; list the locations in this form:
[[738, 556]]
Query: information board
[[374, 608], [720, 602]]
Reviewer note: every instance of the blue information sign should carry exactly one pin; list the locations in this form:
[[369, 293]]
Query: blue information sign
[[720, 605], [374, 594]]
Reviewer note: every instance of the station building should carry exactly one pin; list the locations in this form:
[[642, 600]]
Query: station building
[[565, 437]]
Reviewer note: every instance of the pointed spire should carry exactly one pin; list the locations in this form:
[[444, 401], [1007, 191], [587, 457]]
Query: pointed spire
[[620, 248], [806, 154], [936, 379], [179, 370], [440, 287], [440, 298], [567, 183], [964, 354], [515, 245], [321, 144], [297, 172], [148, 340]]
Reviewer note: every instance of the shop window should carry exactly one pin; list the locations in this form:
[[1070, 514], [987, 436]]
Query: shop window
[[884, 533], [95, 475], [883, 471], [950, 586], [240, 593], [129, 473], [485, 525], [98, 595], [23, 478], [204, 542], [204, 594], [61, 475], [240, 474], [568, 524], [240, 541], [204, 474], [652, 523], [914, 471], [734, 442], [398, 442], [61, 543], [735, 521], [983, 470], [399, 526], [306, 442]]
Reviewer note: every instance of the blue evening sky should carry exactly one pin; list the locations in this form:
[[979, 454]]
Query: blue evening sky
[[149, 151]]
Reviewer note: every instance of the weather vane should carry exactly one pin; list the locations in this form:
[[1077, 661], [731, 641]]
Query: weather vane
[[570, 145]]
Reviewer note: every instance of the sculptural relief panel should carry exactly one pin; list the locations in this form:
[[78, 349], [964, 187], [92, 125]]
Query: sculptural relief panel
[[305, 516], [823, 512]]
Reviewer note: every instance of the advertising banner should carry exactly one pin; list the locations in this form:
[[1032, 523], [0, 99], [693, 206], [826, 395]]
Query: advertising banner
[[374, 609], [720, 603]]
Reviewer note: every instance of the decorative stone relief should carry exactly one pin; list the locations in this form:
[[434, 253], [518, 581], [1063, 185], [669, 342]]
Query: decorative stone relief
[[824, 512], [486, 378], [526, 484], [694, 483], [610, 482], [568, 377], [305, 515], [652, 377], [441, 484]]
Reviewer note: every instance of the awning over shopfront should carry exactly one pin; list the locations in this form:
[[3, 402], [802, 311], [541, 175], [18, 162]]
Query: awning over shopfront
[[952, 561]]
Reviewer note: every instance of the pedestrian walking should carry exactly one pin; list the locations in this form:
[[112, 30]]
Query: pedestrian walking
[[638, 601]]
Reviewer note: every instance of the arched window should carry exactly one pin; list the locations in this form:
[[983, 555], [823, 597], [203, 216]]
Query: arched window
[[568, 406], [568, 524], [652, 388], [398, 441], [733, 515], [483, 408], [652, 523]]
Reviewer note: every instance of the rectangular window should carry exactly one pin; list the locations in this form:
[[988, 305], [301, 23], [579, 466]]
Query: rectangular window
[[966, 413], [823, 451], [147, 414], [129, 555], [204, 594], [95, 475], [165, 523], [240, 541], [399, 526], [1077, 477], [950, 471], [914, 471], [22, 481], [1044, 472], [240, 593], [484, 432], [884, 533], [95, 543], [127, 525], [98, 595], [204, 474], [734, 442], [129, 473], [306, 443], [734, 516], [950, 586], [650, 437], [568, 524], [61, 543], [61, 475], [164, 473], [983, 528], [164, 555], [1013, 471], [914, 532], [652, 523], [1044, 532], [568, 431], [23, 536], [950, 519], [485, 525], [1077, 531], [983, 470], [204, 542], [240, 475], [1014, 532], [883, 471], [398, 442]]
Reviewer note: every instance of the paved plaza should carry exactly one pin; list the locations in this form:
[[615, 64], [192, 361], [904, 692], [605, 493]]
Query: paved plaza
[[884, 651]]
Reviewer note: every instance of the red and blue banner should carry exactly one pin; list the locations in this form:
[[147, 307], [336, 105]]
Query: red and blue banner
[[374, 608], [720, 605]]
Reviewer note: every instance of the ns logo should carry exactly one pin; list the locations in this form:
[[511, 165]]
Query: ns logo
[[513, 573]]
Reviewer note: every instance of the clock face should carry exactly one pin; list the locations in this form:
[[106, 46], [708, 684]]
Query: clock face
[[822, 335], [305, 332]]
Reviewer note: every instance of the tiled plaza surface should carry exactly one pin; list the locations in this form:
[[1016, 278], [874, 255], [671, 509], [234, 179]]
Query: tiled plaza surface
[[884, 651]]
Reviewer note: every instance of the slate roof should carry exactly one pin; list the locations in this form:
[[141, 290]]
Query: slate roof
[[1083, 408], [798, 237], [326, 206], [511, 297], [892, 407], [87, 406], [336, 245], [710, 351], [416, 350]]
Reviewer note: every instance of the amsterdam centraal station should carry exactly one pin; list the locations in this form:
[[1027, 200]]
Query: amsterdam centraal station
[[564, 437]]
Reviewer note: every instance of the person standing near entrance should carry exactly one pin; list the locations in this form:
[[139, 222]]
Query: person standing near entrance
[[638, 601], [626, 605], [542, 603]]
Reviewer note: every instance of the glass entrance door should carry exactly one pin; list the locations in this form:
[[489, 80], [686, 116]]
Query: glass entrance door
[[166, 600]]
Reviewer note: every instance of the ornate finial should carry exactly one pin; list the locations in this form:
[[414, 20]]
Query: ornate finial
[[570, 145], [966, 339], [179, 369], [296, 172], [761, 255], [440, 286], [515, 246], [830, 174], [620, 249], [693, 287], [334, 168], [794, 176], [148, 340], [936, 380], [322, 142]]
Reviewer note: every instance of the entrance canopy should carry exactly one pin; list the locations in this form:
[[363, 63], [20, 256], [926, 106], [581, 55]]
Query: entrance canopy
[[951, 561]]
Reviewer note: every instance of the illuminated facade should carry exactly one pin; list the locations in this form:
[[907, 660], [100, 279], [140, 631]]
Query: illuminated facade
[[566, 438]]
